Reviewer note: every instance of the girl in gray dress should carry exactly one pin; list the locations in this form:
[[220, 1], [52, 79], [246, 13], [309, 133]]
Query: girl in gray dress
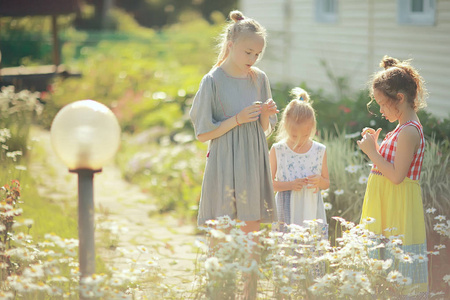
[[237, 181], [233, 110]]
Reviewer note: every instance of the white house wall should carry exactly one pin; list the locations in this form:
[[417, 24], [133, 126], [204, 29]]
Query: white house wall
[[352, 48]]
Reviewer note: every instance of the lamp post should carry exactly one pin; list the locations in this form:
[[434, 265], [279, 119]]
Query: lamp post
[[85, 134]]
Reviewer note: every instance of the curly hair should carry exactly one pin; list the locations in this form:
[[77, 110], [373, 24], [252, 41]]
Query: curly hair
[[399, 77]]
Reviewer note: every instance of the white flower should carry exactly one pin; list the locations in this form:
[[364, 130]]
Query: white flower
[[372, 123], [218, 234], [34, 271], [150, 263], [324, 193], [368, 220], [363, 179], [352, 168], [404, 281], [298, 277], [430, 210], [390, 229], [420, 258], [285, 290], [201, 244], [327, 206], [439, 226], [339, 192], [212, 265], [349, 289], [394, 276], [316, 288], [212, 222], [440, 218], [439, 247], [406, 258], [446, 278], [142, 249]]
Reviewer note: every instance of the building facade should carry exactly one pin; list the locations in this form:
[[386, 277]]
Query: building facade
[[326, 42]]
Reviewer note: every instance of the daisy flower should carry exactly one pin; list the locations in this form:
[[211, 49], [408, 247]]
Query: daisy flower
[[430, 210], [142, 249], [363, 179], [440, 218], [327, 206], [420, 258], [446, 278], [369, 220], [439, 247], [352, 168], [394, 276], [339, 192], [405, 281]]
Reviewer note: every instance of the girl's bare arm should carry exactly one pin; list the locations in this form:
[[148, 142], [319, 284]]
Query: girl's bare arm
[[248, 114]]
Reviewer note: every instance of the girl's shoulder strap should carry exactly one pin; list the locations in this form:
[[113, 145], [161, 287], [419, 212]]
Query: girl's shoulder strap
[[278, 145], [319, 145], [413, 123]]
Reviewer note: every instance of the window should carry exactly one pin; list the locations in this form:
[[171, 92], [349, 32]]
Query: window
[[416, 12], [326, 11]]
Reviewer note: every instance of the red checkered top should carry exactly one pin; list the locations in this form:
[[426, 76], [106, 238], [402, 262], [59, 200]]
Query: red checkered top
[[389, 146]]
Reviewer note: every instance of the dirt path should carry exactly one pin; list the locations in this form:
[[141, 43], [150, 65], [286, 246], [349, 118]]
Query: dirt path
[[124, 209]]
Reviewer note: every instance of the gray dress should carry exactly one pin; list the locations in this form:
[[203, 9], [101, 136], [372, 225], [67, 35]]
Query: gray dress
[[237, 180]]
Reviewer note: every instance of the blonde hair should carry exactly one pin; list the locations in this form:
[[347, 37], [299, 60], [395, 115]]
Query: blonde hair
[[298, 110], [399, 77], [236, 28]]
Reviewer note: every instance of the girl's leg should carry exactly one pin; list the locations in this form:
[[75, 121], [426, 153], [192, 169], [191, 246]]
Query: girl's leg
[[251, 280], [251, 226]]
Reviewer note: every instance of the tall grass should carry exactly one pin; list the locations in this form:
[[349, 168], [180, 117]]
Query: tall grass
[[348, 170], [435, 177]]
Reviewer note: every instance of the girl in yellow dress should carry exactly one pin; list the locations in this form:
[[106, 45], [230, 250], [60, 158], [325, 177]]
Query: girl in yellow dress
[[393, 200]]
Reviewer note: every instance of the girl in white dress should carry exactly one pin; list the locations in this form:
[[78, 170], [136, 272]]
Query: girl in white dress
[[299, 164]]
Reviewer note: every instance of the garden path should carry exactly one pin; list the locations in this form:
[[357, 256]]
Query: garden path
[[123, 206]]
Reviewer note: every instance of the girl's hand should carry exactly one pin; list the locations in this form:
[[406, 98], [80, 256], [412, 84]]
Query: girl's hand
[[269, 108], [368, 143], [298, 184], [313, 182], [371, 131], [249, 114]]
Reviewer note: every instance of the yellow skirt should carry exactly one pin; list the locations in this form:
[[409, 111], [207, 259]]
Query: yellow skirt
[[398, 211]]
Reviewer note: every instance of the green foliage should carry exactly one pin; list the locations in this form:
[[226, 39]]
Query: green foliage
[[144, 77], [171, 169], [17, 111], [156, 13], [348, 172], [27, 40]]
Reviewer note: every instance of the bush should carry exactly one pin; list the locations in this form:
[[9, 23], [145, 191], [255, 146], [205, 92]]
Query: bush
[[17, 111]]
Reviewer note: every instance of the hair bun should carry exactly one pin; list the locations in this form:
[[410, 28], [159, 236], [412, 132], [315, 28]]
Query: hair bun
[[389, 62], [236, 16], [300, 94]]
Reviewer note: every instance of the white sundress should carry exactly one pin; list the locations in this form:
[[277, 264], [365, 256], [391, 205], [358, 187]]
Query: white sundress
[[295, 207]]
